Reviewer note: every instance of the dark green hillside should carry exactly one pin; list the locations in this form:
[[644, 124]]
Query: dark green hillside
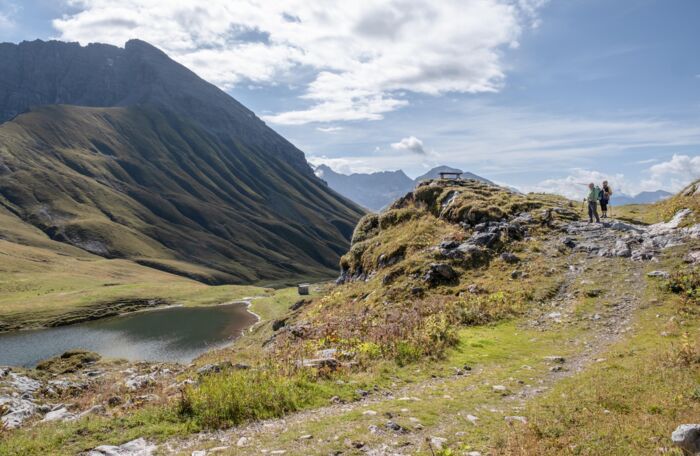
[[147, 184]]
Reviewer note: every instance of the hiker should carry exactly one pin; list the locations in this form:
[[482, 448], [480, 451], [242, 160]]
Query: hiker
[[605, 194], [593, 197]]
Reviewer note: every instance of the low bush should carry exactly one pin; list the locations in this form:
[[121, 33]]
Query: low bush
[[685, 283], [236, 396]]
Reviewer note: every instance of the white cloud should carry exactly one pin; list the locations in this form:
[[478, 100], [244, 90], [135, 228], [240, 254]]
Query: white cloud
[[675, 173], [356, 57], [8, 10], [410, 144], [575, 185], [672, 175], [330, 129]]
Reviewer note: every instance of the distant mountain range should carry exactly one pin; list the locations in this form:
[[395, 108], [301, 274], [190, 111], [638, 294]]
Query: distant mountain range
[[640, 198], [125, 153], [377, 190]]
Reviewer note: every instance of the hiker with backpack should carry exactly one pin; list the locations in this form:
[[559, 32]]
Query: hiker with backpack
[[605, 194], [593, 198]]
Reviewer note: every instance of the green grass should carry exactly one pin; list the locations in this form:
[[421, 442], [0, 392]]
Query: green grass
[[40, 286], [146, 185]]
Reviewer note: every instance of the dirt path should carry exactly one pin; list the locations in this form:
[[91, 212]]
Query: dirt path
[[604, 324]]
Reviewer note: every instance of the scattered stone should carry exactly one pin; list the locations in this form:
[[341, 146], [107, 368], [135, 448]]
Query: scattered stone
[[438, 442], [61, 414], [393, 426], [516, 274], [139, 381], [513, 419], [242, 442], [439, 273], [687, 437], [306, 437], [362, 393], [555, 359], [474, 453], [94, 410], [691, 257], [115, 401], [499, 389], [661, 274], [472, 419], [199, 453], [209, 369], [279, 324], [320, 363], [568, 242], [369, 413], [138, 447], [510, 257], [594, 293]]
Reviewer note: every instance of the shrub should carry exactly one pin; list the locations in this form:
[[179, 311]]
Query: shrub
[[687, 284], [482, 309], [234, 397]]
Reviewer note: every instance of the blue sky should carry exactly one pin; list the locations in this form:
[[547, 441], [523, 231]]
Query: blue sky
[[538, 94]]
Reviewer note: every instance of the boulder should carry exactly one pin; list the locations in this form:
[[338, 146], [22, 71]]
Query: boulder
[[687, 437], [138, 447], [659, 274], [692, 258], [509, 257], [439, 273]]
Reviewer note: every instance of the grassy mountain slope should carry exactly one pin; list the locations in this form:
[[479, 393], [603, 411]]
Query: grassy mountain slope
[[49, 283], [145, 184], [540, 341]]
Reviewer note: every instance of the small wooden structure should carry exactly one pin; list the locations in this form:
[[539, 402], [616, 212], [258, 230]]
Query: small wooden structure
[[303, 289], [450, 175]]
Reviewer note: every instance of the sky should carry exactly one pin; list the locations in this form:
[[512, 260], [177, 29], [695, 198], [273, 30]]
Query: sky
[[543, 95]]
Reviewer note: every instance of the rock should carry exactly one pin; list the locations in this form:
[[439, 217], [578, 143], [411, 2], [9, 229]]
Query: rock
[[499, 389], [199, 453], [439, 273], [516, 274], [209, 369], [94, 410], [242, 442], [483, 239], [306, 437], [513, 419], [138, 447], [449, 245], [661, 274], [438, 442], [139, 381], [687, 437], [24, 384], [115, 401], [692, 258], [327, 353], [472, 419], [362, 393], [555, 359], [299, 304], [279, 324], [62, 414], [17, 411], [510, 257], [5, 371], [568, 242], [320, 363], [594, 293], [474, 453], [393, 426]]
